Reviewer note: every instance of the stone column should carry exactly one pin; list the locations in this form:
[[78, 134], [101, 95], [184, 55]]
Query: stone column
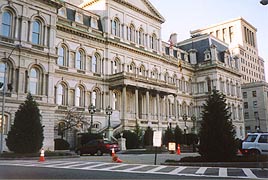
[[176, 107], [167, 108], [147, 105], [158, 108], [124, 103], [137, 103]]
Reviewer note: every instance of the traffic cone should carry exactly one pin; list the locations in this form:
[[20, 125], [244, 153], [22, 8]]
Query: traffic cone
[[113, 152], [42, 156], [178, 149], [115, 158]]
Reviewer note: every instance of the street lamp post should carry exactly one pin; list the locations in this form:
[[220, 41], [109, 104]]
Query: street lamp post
[[109, 112], [184, 118], [91, 110], [193, 118], [4, 97]]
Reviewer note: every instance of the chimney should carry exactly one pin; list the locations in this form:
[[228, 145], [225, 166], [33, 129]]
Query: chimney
[[192, 53], [213, 50]]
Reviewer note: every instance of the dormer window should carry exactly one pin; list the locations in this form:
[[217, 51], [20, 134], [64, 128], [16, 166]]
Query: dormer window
[[94, 23], [207, 55]]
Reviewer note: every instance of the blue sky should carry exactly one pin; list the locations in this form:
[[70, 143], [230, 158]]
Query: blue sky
[[182, 16]]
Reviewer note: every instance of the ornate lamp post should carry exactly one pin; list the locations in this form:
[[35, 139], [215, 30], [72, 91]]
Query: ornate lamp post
[[4, 96], [193, 118], [91, 110], [109, 112]]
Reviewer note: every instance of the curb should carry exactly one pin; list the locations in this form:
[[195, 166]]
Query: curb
[[261, 165]]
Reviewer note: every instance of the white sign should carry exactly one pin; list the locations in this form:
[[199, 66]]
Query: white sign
[[171, 146], [157, 139]]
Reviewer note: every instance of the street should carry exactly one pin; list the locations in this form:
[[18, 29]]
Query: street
[[138, 166]]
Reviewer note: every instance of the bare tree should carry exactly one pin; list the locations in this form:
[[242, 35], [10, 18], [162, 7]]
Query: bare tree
[[72, 119]]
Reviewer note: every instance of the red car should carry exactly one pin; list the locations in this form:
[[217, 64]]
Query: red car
[[97, 146]]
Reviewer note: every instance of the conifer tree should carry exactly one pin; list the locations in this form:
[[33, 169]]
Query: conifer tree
[[26, 134], [217, 134]]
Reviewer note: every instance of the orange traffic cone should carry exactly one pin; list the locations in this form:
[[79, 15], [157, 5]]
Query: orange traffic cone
[[113, 152], [42, 156], [178, 149], [115, 158]]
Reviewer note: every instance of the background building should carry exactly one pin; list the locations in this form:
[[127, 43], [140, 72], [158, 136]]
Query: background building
[[109, 53], [255, 106]]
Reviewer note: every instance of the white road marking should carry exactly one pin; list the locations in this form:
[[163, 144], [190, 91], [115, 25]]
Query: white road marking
[[223, 172], [201, 170], [156, 169], [117, 166], [177, 170], [249, 173], [134, 168]]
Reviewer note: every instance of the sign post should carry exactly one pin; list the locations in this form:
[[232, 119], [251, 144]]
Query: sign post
[[157, 141]]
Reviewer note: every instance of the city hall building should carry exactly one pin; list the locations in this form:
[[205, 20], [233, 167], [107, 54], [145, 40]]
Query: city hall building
[[71, 54]]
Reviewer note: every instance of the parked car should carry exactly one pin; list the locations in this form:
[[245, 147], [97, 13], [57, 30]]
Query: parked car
[[255, 143], [97, 146]]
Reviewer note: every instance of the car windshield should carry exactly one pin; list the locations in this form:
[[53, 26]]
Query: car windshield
[[251, 138]]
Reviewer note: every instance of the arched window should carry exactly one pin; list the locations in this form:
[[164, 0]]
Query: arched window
[[62, 56], [79, 96], [155, 74], [36, 32], [116, 66], [61, 94], [6, 24], [95, 63], [2, 73], [115, 102], [141, 36], [153, 42], [34, 79], [79, 59], [142, 71], [116, 27], [131, 33], [96, 98], [132, 68], [5, 124], [184, 106]]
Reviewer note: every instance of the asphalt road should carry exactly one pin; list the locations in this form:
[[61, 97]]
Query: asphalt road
[[17, 172]]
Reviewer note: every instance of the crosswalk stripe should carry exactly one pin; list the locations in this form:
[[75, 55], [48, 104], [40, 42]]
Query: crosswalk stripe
[[201, 170], [177, 170], [117, 166], [94, 166], [80, 164], [249, 173], [134, 168], [59, 164], [156, 169], [223, 172]]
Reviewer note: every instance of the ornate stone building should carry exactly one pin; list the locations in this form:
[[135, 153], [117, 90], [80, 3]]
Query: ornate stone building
[[109, 52]]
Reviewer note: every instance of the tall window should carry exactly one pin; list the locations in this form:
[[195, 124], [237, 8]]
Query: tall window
[[116, 66], [61, 94], [2, 73], [142, 71], [34, 81], [79, 96], [231, 33], [62, 53], [153, 42], [116, 27], [131, 33], [6, 24], [36, 34], [79, 59], [5, 124], [141, 37]]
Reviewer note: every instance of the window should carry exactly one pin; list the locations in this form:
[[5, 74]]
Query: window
[[62, 53], [5, 124], [263, 139], [36, 34], [231, 33], [223, 34], [153, 42], [34, 81], [142, 71], [95, 63], [246, 115], [141, 37], [61, 94], [2, 73], [244, 94], [131, 33], [79, 60], [255, 104], [254, 94], [96, 98], [6, 24], [116, 66], [79, 96], [246, 105], [115, 104], [116, 27]]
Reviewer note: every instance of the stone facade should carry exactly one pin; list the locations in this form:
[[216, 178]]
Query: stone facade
[[108, 53]]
